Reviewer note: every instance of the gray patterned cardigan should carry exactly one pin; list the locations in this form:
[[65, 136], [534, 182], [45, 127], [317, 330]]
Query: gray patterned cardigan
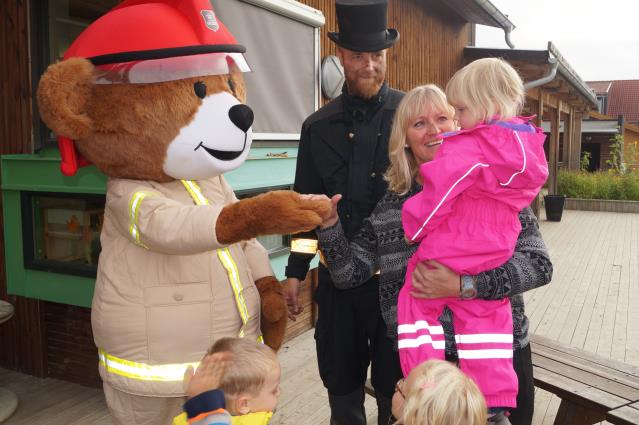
[[380, 245]]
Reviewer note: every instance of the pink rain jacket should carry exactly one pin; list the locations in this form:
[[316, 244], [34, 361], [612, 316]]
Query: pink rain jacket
[[466, 216]]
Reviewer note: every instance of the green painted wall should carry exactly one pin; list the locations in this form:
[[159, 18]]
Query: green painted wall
[[40, 173]]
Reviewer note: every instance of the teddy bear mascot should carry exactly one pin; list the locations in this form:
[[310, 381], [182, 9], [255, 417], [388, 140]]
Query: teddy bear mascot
[[152, 93]]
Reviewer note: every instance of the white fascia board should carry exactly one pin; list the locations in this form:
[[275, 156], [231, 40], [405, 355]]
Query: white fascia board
[[292, 9]]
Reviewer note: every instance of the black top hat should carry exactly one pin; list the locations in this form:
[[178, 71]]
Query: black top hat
[[362, 26]]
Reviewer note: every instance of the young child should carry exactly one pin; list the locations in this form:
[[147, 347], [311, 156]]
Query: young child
[[466, 217], [438, 393], [238, 374]]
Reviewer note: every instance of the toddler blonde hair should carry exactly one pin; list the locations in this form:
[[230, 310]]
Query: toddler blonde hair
[[403, 165], [488, 88], [441, 394], [249, 366]]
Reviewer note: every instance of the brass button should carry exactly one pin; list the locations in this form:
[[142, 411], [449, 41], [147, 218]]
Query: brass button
[[351, 135], [178, 297]]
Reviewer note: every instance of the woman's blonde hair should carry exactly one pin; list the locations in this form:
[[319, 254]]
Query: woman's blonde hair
[[403, 165], [248, 367], [441, 394], [488, 88]]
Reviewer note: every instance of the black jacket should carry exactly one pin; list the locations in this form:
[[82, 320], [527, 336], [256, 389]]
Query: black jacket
[[344, 149]]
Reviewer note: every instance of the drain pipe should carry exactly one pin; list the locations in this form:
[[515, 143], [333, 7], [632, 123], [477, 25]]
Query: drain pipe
[[507, 32], [554, 64], [500, 18]]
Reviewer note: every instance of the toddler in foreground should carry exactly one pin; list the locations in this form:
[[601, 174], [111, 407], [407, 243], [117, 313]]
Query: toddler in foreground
[[237, 382], [438, 393]]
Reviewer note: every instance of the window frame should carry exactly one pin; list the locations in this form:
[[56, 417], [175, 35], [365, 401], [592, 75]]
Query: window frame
[[28, 235]]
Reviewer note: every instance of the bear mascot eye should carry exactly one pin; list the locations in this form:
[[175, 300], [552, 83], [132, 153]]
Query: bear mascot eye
[[200, 89]]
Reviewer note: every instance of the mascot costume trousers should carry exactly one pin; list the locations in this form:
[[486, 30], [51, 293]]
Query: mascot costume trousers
[[152, 93]]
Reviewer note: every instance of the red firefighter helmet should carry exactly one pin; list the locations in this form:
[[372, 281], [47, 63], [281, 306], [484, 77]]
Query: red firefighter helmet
[[146, 41]]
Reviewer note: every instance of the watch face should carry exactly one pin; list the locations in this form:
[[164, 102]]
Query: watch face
[[468, 293], [468, 289]]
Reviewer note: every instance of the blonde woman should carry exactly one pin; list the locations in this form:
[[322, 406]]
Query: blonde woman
[[423, 114]]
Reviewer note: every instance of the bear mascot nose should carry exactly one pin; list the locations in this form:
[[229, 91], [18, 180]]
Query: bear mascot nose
[[241, 116]]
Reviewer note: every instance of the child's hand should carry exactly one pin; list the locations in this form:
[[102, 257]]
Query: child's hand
[[207, 376]]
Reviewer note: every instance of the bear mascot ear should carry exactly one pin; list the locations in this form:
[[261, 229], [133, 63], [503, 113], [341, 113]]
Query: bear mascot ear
[[63, 93]]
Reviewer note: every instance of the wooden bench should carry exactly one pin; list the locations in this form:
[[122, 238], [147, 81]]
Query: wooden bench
[[592, 388]]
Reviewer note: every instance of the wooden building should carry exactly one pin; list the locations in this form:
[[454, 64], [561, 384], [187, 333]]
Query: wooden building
[[50, 334], [598, 135]]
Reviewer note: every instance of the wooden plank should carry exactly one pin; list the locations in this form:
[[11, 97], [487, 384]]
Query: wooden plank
[[542, 343], [625, 415], [579, 376], [584, 395]]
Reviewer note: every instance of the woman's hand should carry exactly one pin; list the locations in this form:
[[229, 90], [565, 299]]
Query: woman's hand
[[332, 216], [432, 279]]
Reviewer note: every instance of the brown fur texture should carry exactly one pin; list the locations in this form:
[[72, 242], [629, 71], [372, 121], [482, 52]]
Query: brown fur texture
[[63, 93], [273, 311], [277, 212], [124, 129]]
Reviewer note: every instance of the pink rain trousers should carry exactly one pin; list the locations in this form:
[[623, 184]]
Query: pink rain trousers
[[466, 217]]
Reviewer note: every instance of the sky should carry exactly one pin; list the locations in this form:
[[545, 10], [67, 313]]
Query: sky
[[599, 39]]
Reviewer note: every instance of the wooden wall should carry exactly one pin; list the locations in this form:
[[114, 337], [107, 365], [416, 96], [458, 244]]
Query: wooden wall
[[21, 337], [430, 47], [631, 146]]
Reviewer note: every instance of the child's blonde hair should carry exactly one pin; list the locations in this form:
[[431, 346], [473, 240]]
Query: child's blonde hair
[[441, 394], [488, 88], [248, 367], [403, 165]]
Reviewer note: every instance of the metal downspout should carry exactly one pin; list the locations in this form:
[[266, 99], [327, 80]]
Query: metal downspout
[[507, 32], [500, 18], [554, 65]]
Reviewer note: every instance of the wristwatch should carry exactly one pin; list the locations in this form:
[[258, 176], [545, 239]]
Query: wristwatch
[[467, 287]]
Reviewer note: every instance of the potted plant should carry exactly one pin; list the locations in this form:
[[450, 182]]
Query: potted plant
[[554, 205]]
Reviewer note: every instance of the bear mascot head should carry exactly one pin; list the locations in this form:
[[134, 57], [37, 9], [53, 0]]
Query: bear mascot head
[[152, 93]]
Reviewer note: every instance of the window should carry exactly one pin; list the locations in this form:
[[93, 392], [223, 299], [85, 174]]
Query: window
[[282, 48], [274, 244], [61, 232], [56, 23]]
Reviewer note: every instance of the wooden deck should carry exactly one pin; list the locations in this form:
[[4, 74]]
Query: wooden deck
[[591, 304]]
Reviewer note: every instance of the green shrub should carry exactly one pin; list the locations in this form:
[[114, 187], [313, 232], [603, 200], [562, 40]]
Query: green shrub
[[599, 185]]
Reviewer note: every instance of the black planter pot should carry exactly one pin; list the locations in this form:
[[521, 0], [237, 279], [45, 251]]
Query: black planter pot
[[554, 205]]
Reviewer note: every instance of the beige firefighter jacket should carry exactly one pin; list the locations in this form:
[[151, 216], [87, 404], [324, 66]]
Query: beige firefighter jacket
[[162, 294]]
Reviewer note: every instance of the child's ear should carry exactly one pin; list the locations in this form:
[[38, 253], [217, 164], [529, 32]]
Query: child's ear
[[63, 93], [242, 404]]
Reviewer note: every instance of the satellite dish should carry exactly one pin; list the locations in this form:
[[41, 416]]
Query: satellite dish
[[332, 77]]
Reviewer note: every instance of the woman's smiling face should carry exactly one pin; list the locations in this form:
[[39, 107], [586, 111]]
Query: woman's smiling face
[[421, 136]]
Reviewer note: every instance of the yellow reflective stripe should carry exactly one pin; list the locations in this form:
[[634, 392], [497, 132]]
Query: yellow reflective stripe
[[142, 371], [234, 277], [304, 246], [134, 215], [227, 261], [195, 192]]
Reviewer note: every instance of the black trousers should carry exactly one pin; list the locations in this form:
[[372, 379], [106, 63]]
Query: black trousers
[[350, 334], [522, 363]]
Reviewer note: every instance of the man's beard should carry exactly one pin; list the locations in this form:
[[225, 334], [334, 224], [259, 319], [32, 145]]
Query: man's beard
[[364, 88]]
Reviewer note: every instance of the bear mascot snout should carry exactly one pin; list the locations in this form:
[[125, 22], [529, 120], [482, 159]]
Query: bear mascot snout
[[152, 93]]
